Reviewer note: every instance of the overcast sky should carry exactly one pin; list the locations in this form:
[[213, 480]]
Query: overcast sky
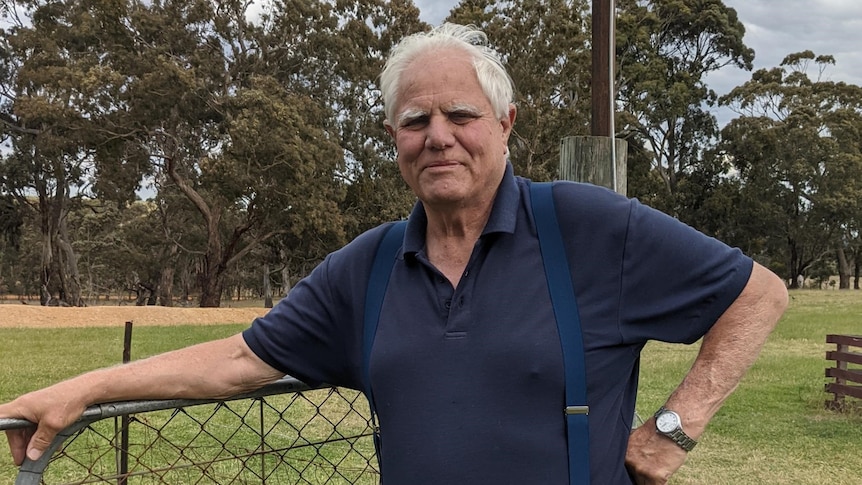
[[773, 28]]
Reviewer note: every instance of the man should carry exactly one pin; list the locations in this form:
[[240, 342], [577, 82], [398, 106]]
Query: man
[[466, 366]]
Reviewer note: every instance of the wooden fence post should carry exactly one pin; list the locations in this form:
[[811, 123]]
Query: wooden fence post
[[847, 380], [591, 159]]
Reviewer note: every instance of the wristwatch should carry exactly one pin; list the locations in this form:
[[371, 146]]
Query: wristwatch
[[669, 424]]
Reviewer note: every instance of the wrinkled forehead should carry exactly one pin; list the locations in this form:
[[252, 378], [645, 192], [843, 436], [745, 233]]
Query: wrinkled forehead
[[433, 62], [439, 72]]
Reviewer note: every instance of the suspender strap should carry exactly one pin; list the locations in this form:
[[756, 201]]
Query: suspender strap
[[569, 327], [381, 268]]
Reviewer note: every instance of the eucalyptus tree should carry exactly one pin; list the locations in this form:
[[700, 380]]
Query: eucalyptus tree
[[277, 118], [846, 128], [665, 49], [53, 94], [796, 150], [343, 48], [545, 45]]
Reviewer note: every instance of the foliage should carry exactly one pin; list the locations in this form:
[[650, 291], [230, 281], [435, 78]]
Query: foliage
[[796, 153], [255, 131], [244, 119], [665, 50]]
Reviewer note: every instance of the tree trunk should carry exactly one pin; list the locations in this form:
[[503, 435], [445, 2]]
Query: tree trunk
[[267, 287], [153, 297], [285, 274], [166, 278], [843, 270], [857, 267], [46, 280], [166, 287], [797, 265], [211, 286], [69, 275], [187, 279]]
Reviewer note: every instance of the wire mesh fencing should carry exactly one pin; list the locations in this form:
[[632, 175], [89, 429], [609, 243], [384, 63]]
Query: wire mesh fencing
[[285, 433]]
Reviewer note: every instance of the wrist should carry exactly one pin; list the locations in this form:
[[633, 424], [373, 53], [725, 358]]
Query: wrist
[[669, 424]]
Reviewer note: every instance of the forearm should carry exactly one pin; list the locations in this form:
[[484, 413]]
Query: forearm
[[216, 369], [729, 349]]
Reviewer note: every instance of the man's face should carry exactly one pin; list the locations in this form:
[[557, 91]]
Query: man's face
[[451, 146]]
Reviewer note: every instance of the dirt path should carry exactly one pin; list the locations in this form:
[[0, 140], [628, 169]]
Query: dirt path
[[35, 316]]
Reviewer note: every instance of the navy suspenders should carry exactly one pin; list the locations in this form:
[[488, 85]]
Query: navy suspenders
[[381, 268], [565, 311], [569, 326]]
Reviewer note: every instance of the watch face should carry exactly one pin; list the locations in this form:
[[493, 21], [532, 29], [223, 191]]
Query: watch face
[[667, 421]]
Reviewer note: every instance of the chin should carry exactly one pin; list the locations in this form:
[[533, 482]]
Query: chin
[[442, 198]]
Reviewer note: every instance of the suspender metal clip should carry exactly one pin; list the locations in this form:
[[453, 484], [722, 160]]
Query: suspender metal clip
[[577, 410]]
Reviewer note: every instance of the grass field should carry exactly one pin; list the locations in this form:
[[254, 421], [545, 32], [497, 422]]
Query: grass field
[[773, 430]]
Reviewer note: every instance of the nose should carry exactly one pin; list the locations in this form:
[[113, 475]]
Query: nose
[[438, 133]]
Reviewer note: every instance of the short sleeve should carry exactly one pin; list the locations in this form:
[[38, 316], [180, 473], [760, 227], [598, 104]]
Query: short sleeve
[[676, 281], [314, 334]]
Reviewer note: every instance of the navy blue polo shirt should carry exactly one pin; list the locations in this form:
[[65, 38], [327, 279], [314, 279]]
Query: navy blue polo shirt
[[469, 380]]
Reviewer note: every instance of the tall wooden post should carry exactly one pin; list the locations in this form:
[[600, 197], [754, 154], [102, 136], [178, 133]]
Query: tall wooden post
[[594, 159], [600, 82]]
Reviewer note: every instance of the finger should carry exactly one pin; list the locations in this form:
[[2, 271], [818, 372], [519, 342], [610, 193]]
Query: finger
[[18, 441]]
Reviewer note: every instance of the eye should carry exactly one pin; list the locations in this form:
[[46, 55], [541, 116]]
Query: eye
[[461, 117], [417, 122]]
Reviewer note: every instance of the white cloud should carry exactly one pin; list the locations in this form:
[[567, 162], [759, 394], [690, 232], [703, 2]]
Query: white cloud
[[776, 28], [434, 11]]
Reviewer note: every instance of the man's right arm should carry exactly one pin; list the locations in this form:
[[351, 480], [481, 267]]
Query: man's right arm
[[216, 369]]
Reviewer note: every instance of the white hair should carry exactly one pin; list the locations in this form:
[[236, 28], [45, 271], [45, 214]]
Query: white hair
[[493, 78]]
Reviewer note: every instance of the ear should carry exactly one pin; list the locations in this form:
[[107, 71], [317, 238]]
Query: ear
[[389, 128], [508, 121]]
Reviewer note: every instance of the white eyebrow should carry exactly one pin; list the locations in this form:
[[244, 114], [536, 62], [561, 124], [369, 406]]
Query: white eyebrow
[[409, 115], [464, 108]]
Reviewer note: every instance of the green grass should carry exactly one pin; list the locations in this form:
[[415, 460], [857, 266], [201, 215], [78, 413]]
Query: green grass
[[773, 430]]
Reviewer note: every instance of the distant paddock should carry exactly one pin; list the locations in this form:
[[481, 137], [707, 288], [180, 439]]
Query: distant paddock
[[36, 316]]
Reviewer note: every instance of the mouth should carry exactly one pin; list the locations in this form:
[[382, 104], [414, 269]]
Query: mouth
[[442, 164]]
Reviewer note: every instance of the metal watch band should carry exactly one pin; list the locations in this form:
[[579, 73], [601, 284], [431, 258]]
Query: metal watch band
[[678, 436], [683, 440]]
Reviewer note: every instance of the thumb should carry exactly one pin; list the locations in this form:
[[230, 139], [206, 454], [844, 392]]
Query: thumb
[[40, 441], [34, 452]]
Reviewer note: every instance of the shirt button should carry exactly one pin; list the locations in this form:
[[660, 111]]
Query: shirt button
[[448, 304]]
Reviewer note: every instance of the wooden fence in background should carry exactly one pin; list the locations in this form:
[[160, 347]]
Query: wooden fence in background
[[847, 373]]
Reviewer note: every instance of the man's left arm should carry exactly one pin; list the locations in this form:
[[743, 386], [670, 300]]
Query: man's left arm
[[729, 348]]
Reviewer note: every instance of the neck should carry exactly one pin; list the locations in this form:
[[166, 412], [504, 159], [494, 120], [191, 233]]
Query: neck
[[451, 237], [457, 223]]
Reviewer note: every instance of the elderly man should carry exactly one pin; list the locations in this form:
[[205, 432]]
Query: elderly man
[[466, 367]]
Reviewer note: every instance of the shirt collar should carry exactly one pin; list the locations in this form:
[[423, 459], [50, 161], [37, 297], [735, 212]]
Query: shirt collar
[[502, 218]]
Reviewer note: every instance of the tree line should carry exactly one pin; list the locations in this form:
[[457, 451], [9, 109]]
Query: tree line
[[254, 133]]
